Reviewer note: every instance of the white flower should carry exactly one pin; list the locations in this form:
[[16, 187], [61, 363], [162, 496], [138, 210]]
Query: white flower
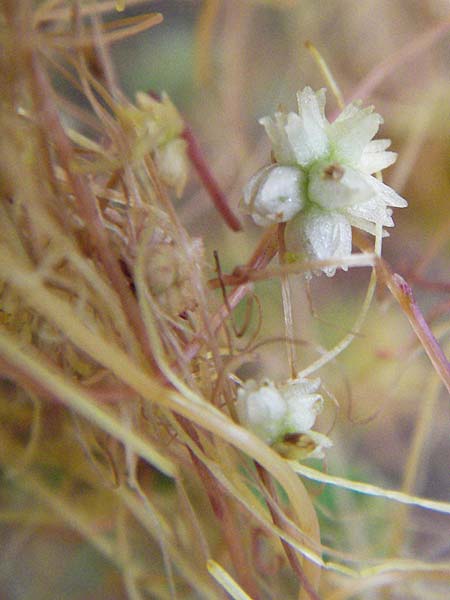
[[157, 127], [275, 412], [322, 180]]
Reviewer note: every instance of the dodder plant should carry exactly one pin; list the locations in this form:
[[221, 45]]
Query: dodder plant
[[123, 416]]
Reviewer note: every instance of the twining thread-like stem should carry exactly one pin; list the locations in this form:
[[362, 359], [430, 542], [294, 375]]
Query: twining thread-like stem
[[226, 581], [287, 304], [36, 374], [327, 74], [266, 250], [424, 421], [348, 339], [369, 489], [227, 518], [203, 41], [195, 409], [403, 293], [405, 54], [307, 590], [242, 275], [208, 180], [87, 204]]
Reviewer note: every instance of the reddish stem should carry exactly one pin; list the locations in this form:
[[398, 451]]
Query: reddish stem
[[215, 193], [289, 551], [201, 166], [266, 250], [87, 207], [403, 293], [223, 511]]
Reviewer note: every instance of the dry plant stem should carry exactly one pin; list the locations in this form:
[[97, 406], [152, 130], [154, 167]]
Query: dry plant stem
[[224, 514], [204, 49], [124, 552], [287, 304], [226, 581], [87, 204], [403, 293], [306, 587], [369, 489], [157, 526], [49, 10], [327, 74], [113, 32], [264, 253], [102, 51], [120, 364], [215, 193], [194, 269], [44, 379], [424, 421]]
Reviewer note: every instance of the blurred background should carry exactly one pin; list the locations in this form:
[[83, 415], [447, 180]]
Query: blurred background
[[225, 64]]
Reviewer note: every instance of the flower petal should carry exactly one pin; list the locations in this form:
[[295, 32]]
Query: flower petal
[[334, 186], [172, 164], [364, 225], [261, 408], [384, 192], [302, 404], [321, 443], [374, 210], [274, 195], [306, 131], [352, 131], [327, 235], [311, 105], [302, 412], [374, 158], [276, 130]]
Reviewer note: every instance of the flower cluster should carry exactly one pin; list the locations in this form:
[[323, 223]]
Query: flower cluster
[[321, 182], [283, 414], [158, 128]]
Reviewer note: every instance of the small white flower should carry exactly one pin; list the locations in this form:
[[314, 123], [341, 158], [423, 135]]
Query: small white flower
[[261, 408], [273, 411], [322, 180]]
